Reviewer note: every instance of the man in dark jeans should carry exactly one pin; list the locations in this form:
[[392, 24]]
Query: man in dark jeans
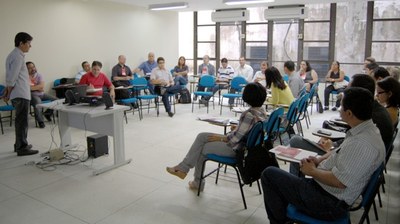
[[338, 177], [18, 90]]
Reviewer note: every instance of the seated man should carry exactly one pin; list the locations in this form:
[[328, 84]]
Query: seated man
[[295, 82], [146, 67], [85, 69], [162, 79], [37, 94], [244, 70], [120, 76], [95, 79], [380, 117], [224, 75], [338, 178], [204, 69]]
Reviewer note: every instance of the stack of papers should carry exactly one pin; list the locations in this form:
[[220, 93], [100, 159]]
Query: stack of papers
[[291, 154], [217, 120], [239, 109]]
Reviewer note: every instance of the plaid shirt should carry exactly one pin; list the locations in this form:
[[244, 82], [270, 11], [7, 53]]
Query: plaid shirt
[[246, 122]]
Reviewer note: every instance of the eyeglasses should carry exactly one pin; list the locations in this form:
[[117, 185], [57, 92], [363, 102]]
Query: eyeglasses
[[378, 93]]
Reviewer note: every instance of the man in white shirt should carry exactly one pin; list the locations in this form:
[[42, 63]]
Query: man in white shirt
[[162, 79], [85, 69], [244, 70], [224, 75]]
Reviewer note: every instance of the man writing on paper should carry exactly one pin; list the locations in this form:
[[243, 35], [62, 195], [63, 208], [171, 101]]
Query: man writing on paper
[[338, 177]]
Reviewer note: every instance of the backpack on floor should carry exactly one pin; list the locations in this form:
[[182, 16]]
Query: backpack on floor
[[255, 157], [185, 96]]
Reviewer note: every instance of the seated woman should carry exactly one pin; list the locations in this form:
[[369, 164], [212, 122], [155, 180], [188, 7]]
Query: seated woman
[[280, 91], [254, 94], [388, 94], [335, 77], [180, 71], [309, 75]]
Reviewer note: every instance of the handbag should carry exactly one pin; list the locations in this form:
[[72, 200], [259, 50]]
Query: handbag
[[340, 85], [251, 161]]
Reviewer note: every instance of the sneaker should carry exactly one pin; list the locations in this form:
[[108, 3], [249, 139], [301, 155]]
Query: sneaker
[[334, 109], [27, 147], [326, 108], [26, 152], [195, 98], [41, 125], [170, 114]]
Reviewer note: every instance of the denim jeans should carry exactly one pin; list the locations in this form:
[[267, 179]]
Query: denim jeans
[[281, 188], [21, 122], [179, 80], [170, 90], [38, 100]]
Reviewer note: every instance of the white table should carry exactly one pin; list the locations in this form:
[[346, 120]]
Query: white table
[[96, 119]]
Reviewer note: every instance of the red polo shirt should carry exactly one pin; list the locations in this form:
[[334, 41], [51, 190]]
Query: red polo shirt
[[97, 82]]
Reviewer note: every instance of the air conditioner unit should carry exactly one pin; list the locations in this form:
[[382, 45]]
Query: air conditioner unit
[[285, 13], [230, 16]]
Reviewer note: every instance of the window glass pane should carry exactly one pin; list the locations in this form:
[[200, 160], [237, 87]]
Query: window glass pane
[[206, 33], [204, 17], [386, 30], [230, 42], [255, 64], [386, 9], [388, 52], [256, 15], [285, 48], [352, 69], [321, 69], [257, 51], [316, 31], [257, 32], [186, 34], [206, 49], [350, 33], [316, 51], [318, 12]]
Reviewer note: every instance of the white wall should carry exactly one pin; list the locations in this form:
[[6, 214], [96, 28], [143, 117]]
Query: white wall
[[67, 32]]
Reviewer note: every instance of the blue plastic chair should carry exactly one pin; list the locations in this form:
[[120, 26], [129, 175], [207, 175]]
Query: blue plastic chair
[[313, 93], [294, 214], [271, 126], [253, 138], [368, 197], [285, 78], [290, 118], [139, 84], [237, 85], [5, 108], [129, 102], [57, 82], [302, 113], [208, 82], [335, 92]]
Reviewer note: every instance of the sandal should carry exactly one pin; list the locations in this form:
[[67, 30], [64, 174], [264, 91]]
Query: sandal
[[174, 171]]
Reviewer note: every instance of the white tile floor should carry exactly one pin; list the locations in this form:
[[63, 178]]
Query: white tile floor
[[140, 192]]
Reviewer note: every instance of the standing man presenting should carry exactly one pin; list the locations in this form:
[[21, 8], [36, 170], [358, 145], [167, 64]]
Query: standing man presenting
[[18, 90]]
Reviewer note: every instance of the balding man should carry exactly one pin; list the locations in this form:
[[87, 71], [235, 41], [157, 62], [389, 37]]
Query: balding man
[[120, 76], [147, 66]]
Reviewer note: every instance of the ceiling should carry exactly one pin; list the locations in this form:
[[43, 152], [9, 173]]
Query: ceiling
[[198, 5]]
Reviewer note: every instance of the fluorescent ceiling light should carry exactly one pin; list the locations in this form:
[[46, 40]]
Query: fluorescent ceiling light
[[169, 6], [244, 2]]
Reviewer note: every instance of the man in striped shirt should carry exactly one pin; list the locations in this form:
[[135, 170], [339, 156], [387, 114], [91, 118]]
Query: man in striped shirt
[[338, 177]]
